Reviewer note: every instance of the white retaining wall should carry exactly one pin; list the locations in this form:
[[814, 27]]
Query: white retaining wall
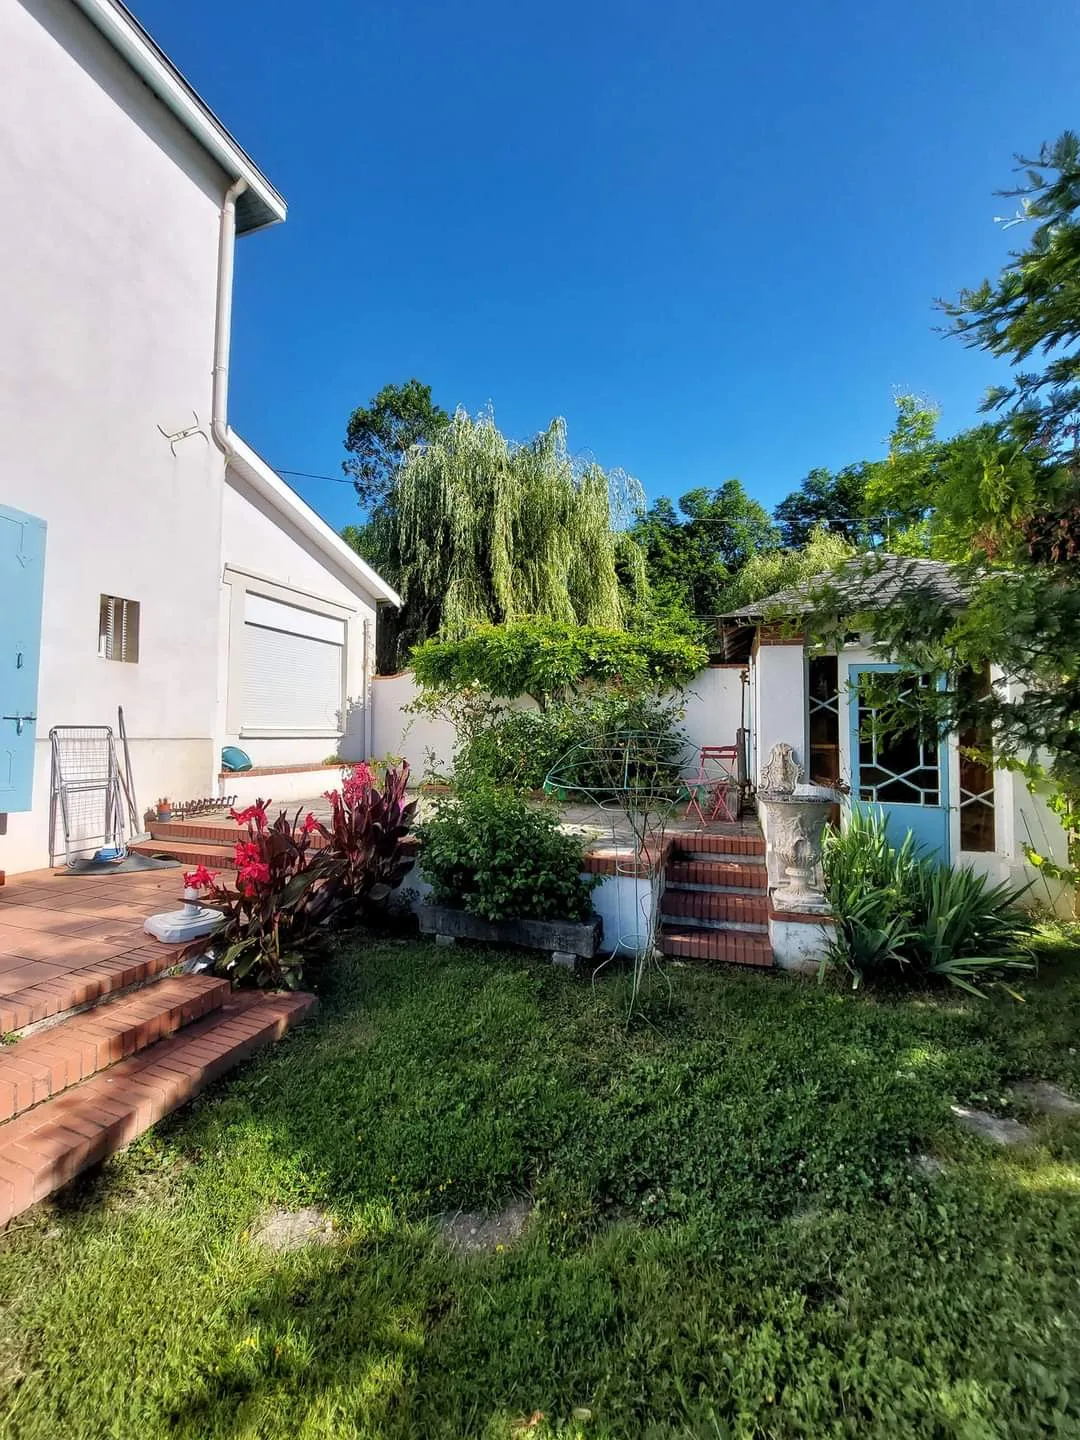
[[713, 700]]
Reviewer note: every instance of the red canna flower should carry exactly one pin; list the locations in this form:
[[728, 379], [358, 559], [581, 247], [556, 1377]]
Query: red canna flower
[[253, 814], [311, 825], [200, 878], [356, 782], [246, 853]]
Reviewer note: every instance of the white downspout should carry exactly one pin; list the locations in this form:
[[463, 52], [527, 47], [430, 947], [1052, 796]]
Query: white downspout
[[219, 426]]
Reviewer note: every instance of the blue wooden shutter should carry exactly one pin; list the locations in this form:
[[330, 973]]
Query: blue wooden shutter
[[22, 579]]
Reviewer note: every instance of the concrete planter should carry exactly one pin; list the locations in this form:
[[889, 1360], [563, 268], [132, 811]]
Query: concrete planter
[[565, 940]]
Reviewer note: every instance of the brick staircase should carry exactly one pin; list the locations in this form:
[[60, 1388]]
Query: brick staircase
[[715, 902], [193, 842], [104, 1036]]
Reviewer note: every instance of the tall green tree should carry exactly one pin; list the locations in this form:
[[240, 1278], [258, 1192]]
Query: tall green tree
[[480, 529], [827, 500], [381, 433], [692, 551], [1007, 497]]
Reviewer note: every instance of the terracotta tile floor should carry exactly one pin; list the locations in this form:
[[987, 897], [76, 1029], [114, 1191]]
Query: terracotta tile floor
[[64, 936]]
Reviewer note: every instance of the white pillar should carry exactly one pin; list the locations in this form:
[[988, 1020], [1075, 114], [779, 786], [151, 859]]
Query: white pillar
[[780, 676]]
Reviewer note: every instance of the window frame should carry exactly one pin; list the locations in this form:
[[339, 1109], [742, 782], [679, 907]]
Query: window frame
[[129, 628], [241, 583]]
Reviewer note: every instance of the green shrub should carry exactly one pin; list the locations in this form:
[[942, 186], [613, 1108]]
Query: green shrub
[[500, 857], [520, 748], [901, 914], [550, 660]]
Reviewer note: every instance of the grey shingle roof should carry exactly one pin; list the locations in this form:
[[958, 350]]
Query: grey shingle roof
[[868, 582]]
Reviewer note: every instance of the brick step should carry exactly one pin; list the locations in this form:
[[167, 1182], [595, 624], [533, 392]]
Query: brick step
[[51, 1060], [205, 832], [226, 832], [214, 854], [191, 853], [716, 907], [135, 961], [738, 840], [50, 1144], [730, 947], [738, 874]]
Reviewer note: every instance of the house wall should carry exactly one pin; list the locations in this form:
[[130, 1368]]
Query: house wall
[[264, 554], [108, 250]]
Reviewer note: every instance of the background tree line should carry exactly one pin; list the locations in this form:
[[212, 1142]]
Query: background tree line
[[472, 528]]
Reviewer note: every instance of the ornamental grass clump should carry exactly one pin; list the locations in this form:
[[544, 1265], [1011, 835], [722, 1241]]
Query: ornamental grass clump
[[900, 914]]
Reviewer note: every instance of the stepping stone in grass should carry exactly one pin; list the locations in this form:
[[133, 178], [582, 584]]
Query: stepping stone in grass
[[280, 1230], [992, 1127], [1045, 1099], [471, 1232]]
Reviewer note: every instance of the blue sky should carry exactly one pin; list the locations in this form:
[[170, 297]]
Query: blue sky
[[708, 234]]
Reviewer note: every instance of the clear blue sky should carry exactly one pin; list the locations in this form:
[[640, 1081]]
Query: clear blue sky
[[708, 234]]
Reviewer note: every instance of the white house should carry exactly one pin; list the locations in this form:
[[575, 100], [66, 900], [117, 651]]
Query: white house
[[149, 558]]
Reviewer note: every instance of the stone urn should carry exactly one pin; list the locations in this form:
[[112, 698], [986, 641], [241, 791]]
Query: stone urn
[[795, 816]]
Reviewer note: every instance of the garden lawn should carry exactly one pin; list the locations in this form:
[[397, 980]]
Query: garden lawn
[[729, 1237]]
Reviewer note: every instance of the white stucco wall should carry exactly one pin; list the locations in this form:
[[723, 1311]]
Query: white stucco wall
[[262, 552], [778, 679], [715, 706], [427, 744], [108, 247], [713, 701]]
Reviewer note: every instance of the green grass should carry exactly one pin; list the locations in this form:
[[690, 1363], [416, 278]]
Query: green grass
[[729, 1239]]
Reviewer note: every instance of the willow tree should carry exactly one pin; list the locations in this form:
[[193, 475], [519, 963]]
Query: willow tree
[[482, 529]]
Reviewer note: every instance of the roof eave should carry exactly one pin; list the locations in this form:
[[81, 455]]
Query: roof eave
[[261, 205], [267, 483]]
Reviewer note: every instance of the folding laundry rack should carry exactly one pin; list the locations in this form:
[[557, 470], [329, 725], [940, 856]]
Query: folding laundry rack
[[86, 791]]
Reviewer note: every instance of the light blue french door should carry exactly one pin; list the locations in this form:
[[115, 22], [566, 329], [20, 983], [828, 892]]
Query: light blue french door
[[903, 771]]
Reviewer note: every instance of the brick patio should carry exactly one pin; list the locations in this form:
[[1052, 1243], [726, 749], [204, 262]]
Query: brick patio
[[105, 1040]]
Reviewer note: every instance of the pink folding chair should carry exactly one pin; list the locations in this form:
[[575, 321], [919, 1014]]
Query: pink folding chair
[[716, 779]]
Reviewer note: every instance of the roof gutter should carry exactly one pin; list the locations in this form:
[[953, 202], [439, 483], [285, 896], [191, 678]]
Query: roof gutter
[[269, 486], [124, 33]]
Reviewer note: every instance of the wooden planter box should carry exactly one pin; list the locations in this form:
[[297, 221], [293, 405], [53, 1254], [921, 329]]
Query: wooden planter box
[[565, 940]]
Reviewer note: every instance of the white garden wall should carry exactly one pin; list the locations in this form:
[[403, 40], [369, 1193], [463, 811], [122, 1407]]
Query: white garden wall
[[713, 701]]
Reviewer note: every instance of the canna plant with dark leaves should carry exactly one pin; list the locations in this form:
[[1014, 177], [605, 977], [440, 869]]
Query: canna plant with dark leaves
[[294, 876], [276, 900], [365, 840]]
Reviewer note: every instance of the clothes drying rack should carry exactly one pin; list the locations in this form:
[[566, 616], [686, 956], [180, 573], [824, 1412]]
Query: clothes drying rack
[[86, 791]]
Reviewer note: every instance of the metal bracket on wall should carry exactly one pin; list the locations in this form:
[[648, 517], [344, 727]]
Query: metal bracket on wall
[[177, 435]]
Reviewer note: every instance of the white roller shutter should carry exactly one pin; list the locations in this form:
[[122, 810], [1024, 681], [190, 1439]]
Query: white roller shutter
[[293, 668]]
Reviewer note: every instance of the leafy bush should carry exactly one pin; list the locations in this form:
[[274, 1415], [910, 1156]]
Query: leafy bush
[[902, 914], [552, 661], [519, 748], [495, 855]]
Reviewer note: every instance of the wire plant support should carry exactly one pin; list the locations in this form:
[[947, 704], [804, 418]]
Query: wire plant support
[[632, 779], [86, 792]]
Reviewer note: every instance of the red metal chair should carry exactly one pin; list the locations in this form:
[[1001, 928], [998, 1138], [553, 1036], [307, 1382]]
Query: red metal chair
[[717, 780]]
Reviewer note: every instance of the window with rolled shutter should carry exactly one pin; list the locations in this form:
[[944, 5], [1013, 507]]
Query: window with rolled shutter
[[293, 668], [118, 629]]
